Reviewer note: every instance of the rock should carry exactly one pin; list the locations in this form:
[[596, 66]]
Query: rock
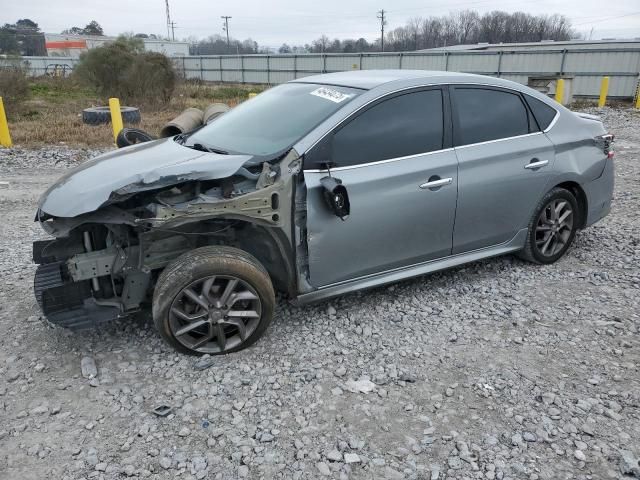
[[529, 437], [629, 464], [580, 455], [92, 457], [331, 311], [184, 432], [612, 414], [588, 429], [454, 462], [323, 468], [165, 463], [363, 385], [266, 437], [88, 367], [204, 362], [351, 458], [334, 455], [341, 371]]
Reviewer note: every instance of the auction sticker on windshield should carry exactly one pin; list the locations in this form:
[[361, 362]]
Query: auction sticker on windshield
[[330, 94]]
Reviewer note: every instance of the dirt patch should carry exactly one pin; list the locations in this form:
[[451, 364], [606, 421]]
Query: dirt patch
[[52, 114]]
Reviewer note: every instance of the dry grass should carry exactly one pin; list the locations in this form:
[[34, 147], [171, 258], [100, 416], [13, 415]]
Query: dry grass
[[52, 115]]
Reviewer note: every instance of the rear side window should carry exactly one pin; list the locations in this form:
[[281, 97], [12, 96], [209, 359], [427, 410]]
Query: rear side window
[[485, 115], [404, 125], [544, 113]]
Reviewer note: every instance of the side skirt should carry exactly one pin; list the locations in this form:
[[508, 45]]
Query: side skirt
[[391, 276]]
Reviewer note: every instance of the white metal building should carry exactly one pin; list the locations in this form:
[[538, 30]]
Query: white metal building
[[62, 45]]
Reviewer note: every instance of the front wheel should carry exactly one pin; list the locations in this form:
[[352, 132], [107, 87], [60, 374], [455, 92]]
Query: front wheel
[[552, 228], [213, 300]]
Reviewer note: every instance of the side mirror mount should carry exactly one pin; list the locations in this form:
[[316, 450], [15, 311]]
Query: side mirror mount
[[336, 197]]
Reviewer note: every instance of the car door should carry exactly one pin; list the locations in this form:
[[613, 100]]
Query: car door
[[505, 163], [395, 159]]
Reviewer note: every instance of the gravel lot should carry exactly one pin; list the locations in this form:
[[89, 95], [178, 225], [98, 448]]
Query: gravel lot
[[499, 369]]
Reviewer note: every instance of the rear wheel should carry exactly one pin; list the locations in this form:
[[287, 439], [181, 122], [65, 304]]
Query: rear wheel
[[552, 228], [213, 300]]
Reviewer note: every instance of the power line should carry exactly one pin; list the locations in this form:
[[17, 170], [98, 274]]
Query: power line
[[383, 22], [225, 27]]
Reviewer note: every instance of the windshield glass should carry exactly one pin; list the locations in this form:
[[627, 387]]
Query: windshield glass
[[274, 120]]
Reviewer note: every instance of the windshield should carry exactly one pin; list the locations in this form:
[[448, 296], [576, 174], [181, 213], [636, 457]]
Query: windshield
[[274, 120]]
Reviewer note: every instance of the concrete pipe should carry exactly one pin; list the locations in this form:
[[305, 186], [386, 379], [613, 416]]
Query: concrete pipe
[[187, 121], [213, 111]]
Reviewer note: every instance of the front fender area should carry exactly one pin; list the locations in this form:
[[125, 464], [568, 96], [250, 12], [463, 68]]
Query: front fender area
[[103, 264]]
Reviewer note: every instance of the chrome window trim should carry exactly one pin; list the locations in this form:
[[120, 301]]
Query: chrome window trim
[[412, 87], [553, 122], [497, 140], [379, 162]]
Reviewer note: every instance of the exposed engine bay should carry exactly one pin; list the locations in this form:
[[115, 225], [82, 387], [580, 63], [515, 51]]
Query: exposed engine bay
[[103, 264]]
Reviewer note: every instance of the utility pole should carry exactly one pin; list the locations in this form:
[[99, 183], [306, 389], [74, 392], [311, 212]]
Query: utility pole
[[383, 22], [225, 27], [168, 18], [173, 30]]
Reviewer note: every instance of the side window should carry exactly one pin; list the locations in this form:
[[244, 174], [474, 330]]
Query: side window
[[544, 113], [404, 125], [485, 115]]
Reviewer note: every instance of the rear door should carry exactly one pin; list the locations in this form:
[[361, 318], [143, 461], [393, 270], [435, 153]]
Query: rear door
[[396, 161], [505, 163]]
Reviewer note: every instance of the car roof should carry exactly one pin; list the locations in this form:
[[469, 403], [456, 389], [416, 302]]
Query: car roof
[[369, 79]]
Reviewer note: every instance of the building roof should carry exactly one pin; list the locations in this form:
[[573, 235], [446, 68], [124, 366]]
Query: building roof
[[586, 44]]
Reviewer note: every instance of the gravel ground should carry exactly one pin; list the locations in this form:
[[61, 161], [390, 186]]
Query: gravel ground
[[497, 370]]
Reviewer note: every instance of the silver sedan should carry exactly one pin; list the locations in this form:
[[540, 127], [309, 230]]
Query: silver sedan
[[318, 187]]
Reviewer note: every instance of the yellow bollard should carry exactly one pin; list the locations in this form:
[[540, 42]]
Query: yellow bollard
[[560, 90], [5, 138], [116, 117], [604, 88], [638, 95]]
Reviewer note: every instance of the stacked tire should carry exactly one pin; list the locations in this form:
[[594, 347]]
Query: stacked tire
[[102, 115]]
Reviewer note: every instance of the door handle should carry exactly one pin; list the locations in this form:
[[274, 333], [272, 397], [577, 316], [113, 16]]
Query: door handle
[[440, 182], [535, 163]]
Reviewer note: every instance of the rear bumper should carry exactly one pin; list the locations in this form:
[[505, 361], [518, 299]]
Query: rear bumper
[[599, 193]]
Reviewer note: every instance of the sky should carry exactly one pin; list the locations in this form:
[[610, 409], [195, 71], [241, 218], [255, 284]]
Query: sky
[[274, 22]]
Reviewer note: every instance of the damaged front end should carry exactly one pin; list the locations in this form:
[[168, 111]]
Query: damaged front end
[[118, 220]]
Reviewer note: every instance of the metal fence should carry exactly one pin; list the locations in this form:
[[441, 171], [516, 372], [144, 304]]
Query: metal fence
[[586, 66]]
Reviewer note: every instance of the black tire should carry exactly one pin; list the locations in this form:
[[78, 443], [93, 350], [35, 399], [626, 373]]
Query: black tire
[[131, 136], [102, 115], [532, 251], [203, 263]]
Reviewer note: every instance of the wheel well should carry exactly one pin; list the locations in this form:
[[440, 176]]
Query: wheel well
[[272, 250], [268, 245], [577, 191]]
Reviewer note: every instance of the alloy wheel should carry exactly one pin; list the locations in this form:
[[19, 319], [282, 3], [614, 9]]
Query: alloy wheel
[[215, 314], [554, 227]]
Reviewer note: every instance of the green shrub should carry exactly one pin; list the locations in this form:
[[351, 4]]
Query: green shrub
[[122, 69], [14, 86]]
